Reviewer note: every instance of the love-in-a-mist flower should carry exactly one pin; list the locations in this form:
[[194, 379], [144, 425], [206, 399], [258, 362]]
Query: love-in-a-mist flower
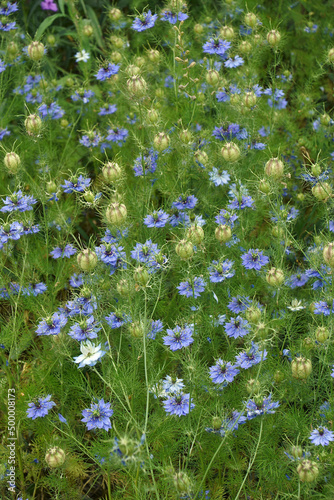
[[254, 259], [106, 72], [67, 251], [98, 416], [91, 354], [216, 46], [82, 56], [18, 201], [178, 338], [237, 327], [260, 406], [179, 404], [223, 372], [40, 408], [322, 436], [219, 271], [52, 325], [159, 218], [192, 288], [172, 385], [144, 22], [251, 357]]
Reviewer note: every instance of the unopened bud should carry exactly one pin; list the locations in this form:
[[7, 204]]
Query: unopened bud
[[182, 482], [198, 28], [115, 14], [136, 86], [328, 254], [141, 276], [250, 19], [116, 213], [87, 260], [55, 457], [264, 186], [230, 152], [212, 77], [273, 38], [253, 314], [322, 191], [87, 30], [12, 162], [153, 56], [161, 141], [322, 334], [250, 99], [245, 47], [136, 329], [184, 249], [195, 234], [36, 51], [201, 156], [307, 471], [275, 277], [152, 116], [227, 32], [325, 120], [301, 368], [330, 55], [185, 136], [274, 168], [252, 386], [111, 172], [296, 451], [223, 233], [33, 124]]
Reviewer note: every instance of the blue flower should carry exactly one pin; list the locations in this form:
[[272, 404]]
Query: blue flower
[[173, 17], [155, 327], [52, 325], [185, 202], [147, 163], [179, 404], [76, 184], [239, 204], [297, 280], [223, 372], [62, 419], [105, 73], [239, 304], [18, 201], [254, 259], [321, 436], [251, 357], [144, 22], [40, 408], [219, 179], [143, 252], [216, 46], [260, 407], [158, 219], [192, 288], [234, 63], [112, 108], [116, 320], [172, 385], [220, 271], [86, 329], [178, 338], [67, 251], [98, 416], [238, 327], [4, 132], [226, 218]]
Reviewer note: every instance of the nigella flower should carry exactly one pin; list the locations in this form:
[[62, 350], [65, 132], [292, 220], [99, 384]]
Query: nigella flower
[[18, 201], [285, 214], [82, 305], [8, 27], [322, 307], [62, 419], [54, 111], [98, 416], [86, 329], [223, 372], [239, 204], [111, 109], [76, 184], [179, 404], [322, 436], [11, 7], [192, 288], [231, 423], [219, 179], [297, 280], [52, 325], [254, 259], [216, 46], [144, 22], [260, 406], [185, 202], [296, 305], [90, 354], [4, 132], [12, 231], [226, 218], [220, 271], [234, 63], [172, 385], [173, 17], [67, 251], [237, 327], [178, 338], [116, 320], [76, 280], [3, 66], [143, 252], [83, 96], [106, 72], [158, 219], [40, 408], [239, 304], [251, 357], [146, 163], [82, 56], [91, 140], [155, 327]]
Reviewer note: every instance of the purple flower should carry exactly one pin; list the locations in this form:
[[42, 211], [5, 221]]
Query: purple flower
[[226, 218], [52, 325], [12, 231], [173, 17], [62, 419], [219, 179], [155, 327], [216, 46], [185, 202], [144, 22], [192, 288], [178, 338], [40, 408], [118, 135], [83, 96], [254, 259], [116, 320], [231, 423], [260, 407], [18, 201], [112, 108], [322, 307], [321, 436], [76, 280], [98, 416], [146, 163], [11, 7], [245, 201], [78, 185], [238, 304], [238, 327], [223, 372], [53, 111], [86, 329], [49, 5], [220, 271], [158, 219], [107, 72], [297, 280], [92, 140], [179, 404], [66, 252], [143, 252], [234, 63], [251, 357], [4, 132]]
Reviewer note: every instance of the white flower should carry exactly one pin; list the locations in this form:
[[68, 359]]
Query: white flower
[[90, 354], [172, 386], [217, 178], [83, 56], [296, 305]]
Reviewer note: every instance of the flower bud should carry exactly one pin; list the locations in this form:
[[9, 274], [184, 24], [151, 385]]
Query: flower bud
[[325, 120], [186, 137], [33, 124], [278, 376], [301, 368], [12, 49], [184, 249], [87, 260], [182, 482], [330, 55], [116, 213], [69, 82], [111, 172], [261, 331], [124, 288], [264, 186], [245, 47], [116, 41], [12, 162], [51, 187], [87, 30], [230, 152], [252, 386], [322, 334], [223, 233], [253, 314], [212, 77], [195, 234], [55, 457], [227, 32], [250, 99], [127, 446], [307, 471], [140, 61], [200, 97], [216, 423], [161, 141], [51, 40], [273, 38], [278, 232], [136, 329], [89, 196], [115, 14], [141, 276], [115, 56], [308, 343], [201, 157], [322, 191], [153, 56], [36, 51], [274, 168], [198, 28], [328, 254], [136, 86], [296, 451], [250, 19], [275, 277], [152, 116]]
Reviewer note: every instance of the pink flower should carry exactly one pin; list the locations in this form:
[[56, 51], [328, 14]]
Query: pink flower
[[49, 5]]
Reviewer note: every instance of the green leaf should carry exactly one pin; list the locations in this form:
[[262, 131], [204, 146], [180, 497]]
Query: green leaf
[[45, 24], [96, 25], [62, 6]]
